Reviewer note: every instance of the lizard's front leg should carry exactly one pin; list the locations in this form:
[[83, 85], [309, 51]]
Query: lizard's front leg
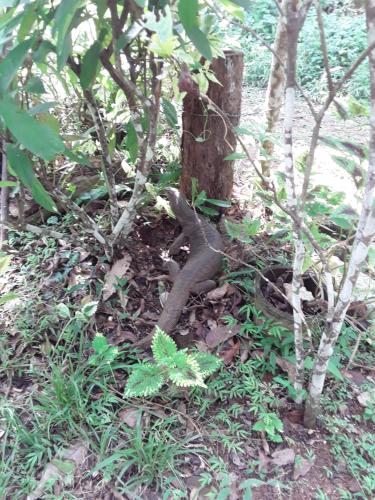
[[203, 286], [177, 244]]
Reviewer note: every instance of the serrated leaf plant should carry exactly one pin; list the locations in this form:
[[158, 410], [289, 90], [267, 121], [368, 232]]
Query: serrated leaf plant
[[170, 365]]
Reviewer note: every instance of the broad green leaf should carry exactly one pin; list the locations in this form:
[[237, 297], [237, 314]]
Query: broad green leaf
[[200, 42], [50, 120], [188, 14], [209, 211], [42, 107], [141, 3], [8, 184], [163, 48], [12, 62], [90, 65], [208, 363], [234, 8], [235, 156], [35, 85], [145, 380], [64, 53], [89, 309], [28, 19], [219, 203], [163, 346], [100, 343], [4, 263], [333, 369], [169, 112], [37, 137], [43, 50], [7, 297], [63, 310], [162, 25], [22, 167], [245, 4], [185, 371], [63, 18], [131, 142]]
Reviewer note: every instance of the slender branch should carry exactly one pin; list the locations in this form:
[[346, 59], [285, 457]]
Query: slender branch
[[323, 44], [42, 231], [4, 196], [107, 164]]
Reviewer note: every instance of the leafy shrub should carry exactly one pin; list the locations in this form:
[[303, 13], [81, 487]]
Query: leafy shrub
[[346, 38], [177, 367]]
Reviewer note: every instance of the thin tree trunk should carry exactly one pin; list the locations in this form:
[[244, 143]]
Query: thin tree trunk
[[296, 15], [275, 89], [364, 235], [3, 197]]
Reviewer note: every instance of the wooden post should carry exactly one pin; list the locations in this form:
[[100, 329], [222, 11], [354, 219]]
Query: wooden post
[[204, 159]]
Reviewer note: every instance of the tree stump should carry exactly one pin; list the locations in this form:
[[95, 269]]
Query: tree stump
[[206, 140]]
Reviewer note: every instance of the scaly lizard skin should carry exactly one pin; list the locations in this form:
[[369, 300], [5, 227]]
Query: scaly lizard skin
[[202, 265]]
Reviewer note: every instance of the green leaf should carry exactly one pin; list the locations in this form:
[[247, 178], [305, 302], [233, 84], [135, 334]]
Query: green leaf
[[28, 19], [200, 42], [208, 363], [43, 50], [8, 183], [188, 14], [219, 203], [7, 297], [163, 48], [35, 136], [12, 62], [131, 141], [169, 112], [100, 343], [64, 53], [145, 380], [333, 369], [22, 167], [208, 211], [89, 309], [35, 85], [233, 9], [162, 346], [4, 263], [161, 24], [63, 18], [185, 371], [90, 65], [235, 156], [63, 310]]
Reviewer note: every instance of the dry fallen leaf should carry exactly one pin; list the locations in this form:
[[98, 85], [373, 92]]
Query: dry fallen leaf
[[61, 468], [129, 416], [229, 354], [220, 334], [301, 468], [118, 270], [283, 457], [288, 367], [218, 293], [303, 293], [364, 398]]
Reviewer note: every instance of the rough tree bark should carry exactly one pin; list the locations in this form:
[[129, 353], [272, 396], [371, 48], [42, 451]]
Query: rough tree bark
[[363, 238], [205, 160], [275, 88]]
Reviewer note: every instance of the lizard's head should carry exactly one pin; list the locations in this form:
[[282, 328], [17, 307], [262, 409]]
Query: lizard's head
[[179, 204]]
